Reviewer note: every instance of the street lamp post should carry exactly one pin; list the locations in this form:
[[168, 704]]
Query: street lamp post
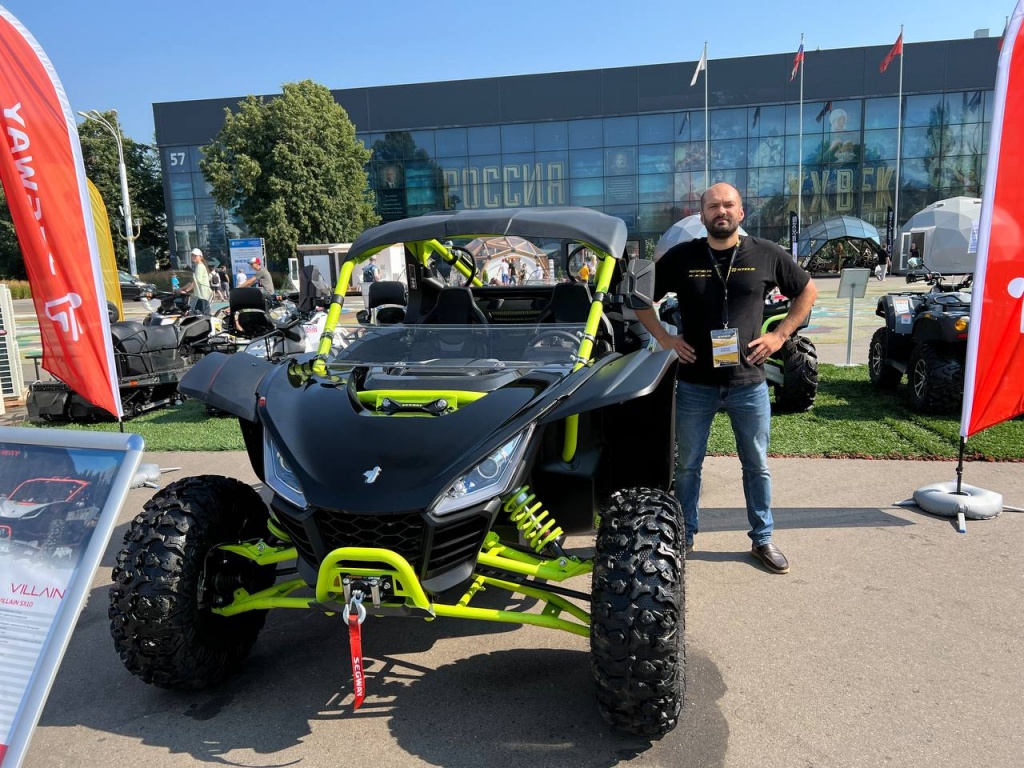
[[126, 205]]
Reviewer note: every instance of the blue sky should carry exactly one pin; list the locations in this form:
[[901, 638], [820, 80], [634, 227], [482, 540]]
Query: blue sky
[[128, 54]]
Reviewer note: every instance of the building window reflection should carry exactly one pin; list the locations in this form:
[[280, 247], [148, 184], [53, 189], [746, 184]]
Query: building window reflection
[[649, 169]]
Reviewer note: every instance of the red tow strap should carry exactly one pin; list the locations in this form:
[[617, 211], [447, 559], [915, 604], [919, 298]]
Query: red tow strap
[[355, 643]]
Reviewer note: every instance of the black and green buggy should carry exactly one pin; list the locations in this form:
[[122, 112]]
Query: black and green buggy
[[413, 464]]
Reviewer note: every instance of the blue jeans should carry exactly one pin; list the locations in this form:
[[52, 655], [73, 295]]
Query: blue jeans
[[750, 413]]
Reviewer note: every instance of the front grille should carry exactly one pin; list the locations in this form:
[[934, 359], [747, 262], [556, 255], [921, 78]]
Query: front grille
[[430, 547], [399, 533]]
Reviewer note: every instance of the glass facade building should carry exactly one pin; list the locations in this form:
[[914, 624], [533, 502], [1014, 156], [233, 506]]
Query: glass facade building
[[631, 142]]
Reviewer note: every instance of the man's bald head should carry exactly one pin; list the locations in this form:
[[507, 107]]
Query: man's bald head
[[719, 188]]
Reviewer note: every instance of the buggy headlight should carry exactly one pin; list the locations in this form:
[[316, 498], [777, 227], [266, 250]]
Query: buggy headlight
[[491, 477], [280, 477]]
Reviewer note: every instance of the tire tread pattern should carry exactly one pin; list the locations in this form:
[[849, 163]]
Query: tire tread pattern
[[163, 632], [942, 390], [638, 612], [799, 375]]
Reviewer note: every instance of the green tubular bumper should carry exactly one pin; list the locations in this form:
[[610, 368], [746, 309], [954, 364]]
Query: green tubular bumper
[[357, 562]]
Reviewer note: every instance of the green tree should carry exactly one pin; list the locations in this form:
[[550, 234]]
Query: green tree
[[292, 168], [145, 187]]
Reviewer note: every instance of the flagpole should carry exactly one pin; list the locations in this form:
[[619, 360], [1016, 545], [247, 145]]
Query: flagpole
[[707, 178], [800, 145], [899, 145]]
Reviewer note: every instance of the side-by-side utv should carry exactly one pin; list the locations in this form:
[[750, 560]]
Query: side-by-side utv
[[414, 464]]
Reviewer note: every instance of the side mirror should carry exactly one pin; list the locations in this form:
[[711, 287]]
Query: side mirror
[[638, 284]]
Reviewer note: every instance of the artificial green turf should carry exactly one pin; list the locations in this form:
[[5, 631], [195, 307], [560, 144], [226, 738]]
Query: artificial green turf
[[850, 419]]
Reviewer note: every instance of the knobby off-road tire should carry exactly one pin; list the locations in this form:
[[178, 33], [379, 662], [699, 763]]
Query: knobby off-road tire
[[799, 376], [935, 381], [638, 612], [166, 580], [882, 375]]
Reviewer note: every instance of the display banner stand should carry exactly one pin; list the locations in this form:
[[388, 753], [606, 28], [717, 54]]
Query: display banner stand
[[60, 495]]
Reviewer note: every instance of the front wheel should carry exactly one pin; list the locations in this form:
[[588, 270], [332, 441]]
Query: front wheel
[[638, 610], [882, 375], [168, 577]]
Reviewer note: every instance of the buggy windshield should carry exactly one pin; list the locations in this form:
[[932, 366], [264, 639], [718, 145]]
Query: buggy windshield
[[458, 346]]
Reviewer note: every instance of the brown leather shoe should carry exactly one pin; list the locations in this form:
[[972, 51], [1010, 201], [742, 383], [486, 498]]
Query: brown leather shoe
[[771, 558]]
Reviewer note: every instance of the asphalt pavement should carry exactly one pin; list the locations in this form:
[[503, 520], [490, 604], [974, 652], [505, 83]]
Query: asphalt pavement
[[894, 641]]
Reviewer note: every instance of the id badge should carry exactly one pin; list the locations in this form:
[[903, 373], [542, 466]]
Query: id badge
[[725, 347]]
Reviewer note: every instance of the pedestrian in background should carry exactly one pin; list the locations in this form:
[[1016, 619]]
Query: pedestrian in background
[[200, 285], [884, 262]]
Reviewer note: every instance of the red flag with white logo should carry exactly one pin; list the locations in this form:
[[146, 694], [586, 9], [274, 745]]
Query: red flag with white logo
[[994, 375], [44, 179]]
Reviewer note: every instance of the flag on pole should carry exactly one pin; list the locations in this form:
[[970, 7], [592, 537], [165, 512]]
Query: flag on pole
[[105, 243], [44, 178], [797, 61], [824, 112], [896, 50], [993, 384], [1002, 37], [701, 66]]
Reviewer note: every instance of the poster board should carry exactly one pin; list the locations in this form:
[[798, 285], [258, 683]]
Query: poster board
[[60, 495], [853, 283]]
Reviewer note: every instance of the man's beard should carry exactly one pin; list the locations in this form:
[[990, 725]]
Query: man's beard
[[723, 228]]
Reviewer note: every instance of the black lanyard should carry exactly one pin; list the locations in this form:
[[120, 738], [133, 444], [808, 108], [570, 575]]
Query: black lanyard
[[724, 279]]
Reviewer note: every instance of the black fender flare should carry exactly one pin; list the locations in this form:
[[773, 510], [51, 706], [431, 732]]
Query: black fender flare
[[620, 379]]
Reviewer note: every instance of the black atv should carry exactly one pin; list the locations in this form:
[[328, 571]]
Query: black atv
[[925, 337], [150, 357], [792, 370], [413, 464]]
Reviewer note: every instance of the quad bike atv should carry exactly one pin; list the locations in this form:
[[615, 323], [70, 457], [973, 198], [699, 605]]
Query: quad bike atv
[[150, 358], [924, 337], [414, 464], [792, 370]]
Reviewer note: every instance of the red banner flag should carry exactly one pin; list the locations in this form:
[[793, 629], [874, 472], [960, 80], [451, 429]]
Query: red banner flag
[[896, 50], [44, 178], [993, 384]]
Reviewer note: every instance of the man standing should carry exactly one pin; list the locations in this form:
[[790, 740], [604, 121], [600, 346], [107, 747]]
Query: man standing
[[200, 285], [261, 279], [883, 264], [721, 282]]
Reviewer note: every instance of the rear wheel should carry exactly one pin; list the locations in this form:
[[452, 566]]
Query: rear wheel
[[638, 612], [882, 375], [935, 380], [799, 386], [168, 578]]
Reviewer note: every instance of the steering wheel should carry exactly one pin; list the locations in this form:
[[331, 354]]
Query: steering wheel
[[573, 277], [466, 258], [552, 334]]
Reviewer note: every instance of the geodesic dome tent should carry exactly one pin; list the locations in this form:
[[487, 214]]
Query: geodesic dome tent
[[949, 229], [817, 235], [683, 231]]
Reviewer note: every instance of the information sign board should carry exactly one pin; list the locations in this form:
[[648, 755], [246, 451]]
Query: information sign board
[[60, 495]]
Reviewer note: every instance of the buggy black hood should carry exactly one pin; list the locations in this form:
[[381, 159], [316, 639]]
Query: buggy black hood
[[331, 443]]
